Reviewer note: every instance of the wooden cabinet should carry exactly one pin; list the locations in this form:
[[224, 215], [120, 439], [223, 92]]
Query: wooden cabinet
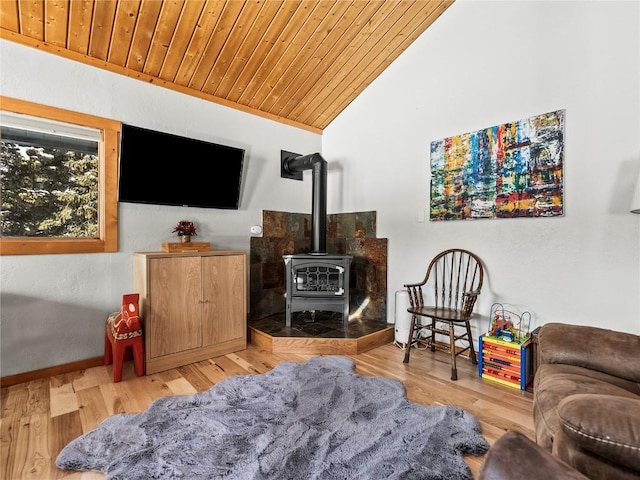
[[193, 305]]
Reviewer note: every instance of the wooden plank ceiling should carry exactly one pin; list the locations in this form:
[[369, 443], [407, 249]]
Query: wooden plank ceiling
[[300, 62]]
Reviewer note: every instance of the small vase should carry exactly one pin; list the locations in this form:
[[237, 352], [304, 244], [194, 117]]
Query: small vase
[[185, 238]]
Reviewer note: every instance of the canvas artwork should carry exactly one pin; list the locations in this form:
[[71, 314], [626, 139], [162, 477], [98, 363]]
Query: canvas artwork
[[510, 170]]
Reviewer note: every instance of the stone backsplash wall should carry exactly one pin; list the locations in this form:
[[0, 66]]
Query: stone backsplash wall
[[285, 233]]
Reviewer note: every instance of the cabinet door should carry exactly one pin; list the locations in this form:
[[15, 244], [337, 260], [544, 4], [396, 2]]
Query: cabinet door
[[175, 298], [224, 309]]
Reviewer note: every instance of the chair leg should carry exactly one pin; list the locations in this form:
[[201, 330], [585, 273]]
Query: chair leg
[[452, 347], [118, 357], [407, 351], [138, 356], [472, 349], [433, 335], [108, 353]]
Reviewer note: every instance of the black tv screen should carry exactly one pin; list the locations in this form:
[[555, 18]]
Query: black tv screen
[[164, 169]]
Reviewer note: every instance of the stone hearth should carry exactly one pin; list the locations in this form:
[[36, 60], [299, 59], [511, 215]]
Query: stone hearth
[[286, 233]]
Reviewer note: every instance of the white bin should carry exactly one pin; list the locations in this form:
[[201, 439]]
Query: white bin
[[403, 318]]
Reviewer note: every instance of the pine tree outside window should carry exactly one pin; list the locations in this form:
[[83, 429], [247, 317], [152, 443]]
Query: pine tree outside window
[[58, 177]]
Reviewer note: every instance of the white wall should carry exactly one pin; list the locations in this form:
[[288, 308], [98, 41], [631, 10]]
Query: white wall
[[485, 63], [53, 307]]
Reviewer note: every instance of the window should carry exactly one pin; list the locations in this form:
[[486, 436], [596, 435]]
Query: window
[[58, 180]]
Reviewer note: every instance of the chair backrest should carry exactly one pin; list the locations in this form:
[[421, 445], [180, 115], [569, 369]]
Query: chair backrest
[[130, 313], [453, 274]]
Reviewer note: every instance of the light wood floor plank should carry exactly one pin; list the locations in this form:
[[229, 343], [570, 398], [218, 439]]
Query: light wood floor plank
[[62, 430], [37, 400], [212, 371], [31, 440], [156, 386], [8, 445], [36, 460], [13, 400], [91, 377], [197, 380], [63, 400], [91, 407], [111, 399], [181, 386], [229, 367]]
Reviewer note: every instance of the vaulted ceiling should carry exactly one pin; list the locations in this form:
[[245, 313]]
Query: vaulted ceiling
[[300, 62]]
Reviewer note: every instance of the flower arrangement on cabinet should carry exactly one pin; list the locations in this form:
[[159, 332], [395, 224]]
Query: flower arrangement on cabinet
[[185, 228]]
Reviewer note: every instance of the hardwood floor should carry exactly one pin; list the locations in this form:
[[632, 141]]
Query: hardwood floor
[[40, 417]]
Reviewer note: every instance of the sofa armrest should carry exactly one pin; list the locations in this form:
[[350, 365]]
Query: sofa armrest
[[514, 456], [607, 351], [606, 425]]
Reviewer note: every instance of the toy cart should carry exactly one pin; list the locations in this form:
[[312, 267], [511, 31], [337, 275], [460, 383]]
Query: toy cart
[[505, 354]]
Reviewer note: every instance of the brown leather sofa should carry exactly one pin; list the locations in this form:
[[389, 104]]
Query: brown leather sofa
[[514, 456], [586, 405]]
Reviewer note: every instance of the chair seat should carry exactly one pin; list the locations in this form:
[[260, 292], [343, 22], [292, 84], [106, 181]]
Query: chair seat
[[439, 313], [111, 324]]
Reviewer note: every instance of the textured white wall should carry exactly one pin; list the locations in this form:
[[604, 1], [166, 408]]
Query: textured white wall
[[53, 307], [482, 64]]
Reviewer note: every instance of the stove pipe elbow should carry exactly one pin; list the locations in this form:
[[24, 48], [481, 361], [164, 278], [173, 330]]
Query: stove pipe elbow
[[318, 166]]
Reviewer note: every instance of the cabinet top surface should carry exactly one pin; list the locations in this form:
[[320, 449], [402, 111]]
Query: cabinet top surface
[[192, 254]]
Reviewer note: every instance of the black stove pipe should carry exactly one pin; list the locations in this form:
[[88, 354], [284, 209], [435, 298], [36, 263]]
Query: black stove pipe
[[318, 166]]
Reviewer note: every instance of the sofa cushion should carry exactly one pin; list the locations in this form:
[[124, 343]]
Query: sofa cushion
[[606, 425], [554, 382], [515, 456], [607, 351], [591, 465]]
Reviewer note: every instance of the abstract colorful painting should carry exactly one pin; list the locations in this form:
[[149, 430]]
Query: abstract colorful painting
[[506, 171]]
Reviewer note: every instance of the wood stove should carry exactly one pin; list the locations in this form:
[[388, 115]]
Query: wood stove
[[315, 280], [317, 283]]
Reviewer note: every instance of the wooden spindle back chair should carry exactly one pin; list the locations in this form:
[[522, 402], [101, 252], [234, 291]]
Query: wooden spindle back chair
[[454, 279]]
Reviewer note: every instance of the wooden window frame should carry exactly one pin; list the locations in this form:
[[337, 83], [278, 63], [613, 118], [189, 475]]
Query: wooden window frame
[[107, 240]]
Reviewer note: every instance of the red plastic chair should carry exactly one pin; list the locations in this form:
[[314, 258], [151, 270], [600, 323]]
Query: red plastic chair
[[124, 331]]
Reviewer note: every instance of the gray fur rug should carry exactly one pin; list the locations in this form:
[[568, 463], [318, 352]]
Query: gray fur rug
[[313, 420]]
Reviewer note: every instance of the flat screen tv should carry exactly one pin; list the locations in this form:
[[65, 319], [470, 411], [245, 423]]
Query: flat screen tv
[[164, 169]]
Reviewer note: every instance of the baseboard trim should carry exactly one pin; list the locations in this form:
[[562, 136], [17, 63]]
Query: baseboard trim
[[51, 371]]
